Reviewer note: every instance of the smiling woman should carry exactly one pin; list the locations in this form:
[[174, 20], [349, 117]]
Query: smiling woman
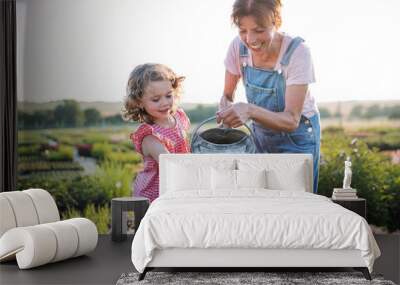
[[276, 70]]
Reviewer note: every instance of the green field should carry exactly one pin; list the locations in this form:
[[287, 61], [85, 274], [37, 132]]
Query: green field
[[83, 168]]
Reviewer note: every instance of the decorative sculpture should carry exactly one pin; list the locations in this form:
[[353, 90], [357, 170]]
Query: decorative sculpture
[[347, 174]]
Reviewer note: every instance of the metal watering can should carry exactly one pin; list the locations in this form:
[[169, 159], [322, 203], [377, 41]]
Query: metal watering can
[[222, 140]]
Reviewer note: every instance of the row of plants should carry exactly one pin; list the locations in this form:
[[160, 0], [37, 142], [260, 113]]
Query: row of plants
[[120, 153], [38, 166], [72, 137], [37, 152], [28, 150], [80, 195], [384, 142], [63, 153], [54, 174], [374, 176], [30, 137], [383, 138], [49, 166]]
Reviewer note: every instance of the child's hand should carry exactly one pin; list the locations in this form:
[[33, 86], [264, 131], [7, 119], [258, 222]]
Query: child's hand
[[153, 147]]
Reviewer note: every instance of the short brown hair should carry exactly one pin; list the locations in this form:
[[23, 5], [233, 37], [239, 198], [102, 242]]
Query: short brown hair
[[262, 10], [138, 80]]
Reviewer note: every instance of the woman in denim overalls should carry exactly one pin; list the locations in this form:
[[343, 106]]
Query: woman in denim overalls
[[275, 109]]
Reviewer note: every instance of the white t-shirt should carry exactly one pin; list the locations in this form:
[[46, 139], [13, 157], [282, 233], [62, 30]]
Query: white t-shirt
[[300, 69]]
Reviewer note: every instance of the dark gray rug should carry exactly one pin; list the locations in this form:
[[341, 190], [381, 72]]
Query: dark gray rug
[[230, 278]]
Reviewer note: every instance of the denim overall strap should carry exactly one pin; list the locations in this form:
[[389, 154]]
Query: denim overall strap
[[266, 88], [295, 42], [243, 54]]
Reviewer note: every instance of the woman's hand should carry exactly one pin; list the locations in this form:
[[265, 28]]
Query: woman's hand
[[224, 103], [227, 98], [235, 115]]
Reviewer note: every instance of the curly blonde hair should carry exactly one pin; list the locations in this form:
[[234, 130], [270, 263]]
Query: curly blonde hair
[[138, 80], [264, 11]]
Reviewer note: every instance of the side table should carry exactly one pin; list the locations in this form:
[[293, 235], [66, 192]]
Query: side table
[[358, 206], [138, 205]]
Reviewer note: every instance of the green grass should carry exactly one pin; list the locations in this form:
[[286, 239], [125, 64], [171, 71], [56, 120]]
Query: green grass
[[118, 164]]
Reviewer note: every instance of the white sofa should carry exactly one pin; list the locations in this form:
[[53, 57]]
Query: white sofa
[[31, 231], [247, 210]]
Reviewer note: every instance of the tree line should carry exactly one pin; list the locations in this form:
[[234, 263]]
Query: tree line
[[68, 114], [361, 112]]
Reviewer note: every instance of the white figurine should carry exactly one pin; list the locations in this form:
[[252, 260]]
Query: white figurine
[[347, 174]]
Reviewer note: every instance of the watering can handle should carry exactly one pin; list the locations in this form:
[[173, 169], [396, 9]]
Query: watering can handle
[[195, 134]]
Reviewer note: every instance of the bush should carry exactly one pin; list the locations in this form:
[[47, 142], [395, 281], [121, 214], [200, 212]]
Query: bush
[[114, 178], [87, 190], [64, 153], [124, 157], [101, 150], [57, 187], [70, 192], [372, 177], [70, 214], [392, 198], [110, 180], [100, 216]]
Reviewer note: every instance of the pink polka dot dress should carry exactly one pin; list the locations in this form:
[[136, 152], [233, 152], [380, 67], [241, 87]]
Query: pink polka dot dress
[[174, 139]]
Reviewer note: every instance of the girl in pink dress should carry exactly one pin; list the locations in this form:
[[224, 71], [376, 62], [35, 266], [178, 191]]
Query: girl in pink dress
[[152, 95]]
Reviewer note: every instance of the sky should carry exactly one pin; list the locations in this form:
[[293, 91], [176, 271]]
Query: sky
[[85, 49]]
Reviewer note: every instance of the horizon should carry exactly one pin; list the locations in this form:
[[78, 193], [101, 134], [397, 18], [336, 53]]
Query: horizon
[[207, 103]]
